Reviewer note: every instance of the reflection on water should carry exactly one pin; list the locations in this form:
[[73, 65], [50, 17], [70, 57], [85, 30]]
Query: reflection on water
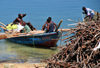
[[12, 52]]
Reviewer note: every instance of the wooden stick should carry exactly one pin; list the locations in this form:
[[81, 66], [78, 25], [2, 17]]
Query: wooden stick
[[58, 25], [64, 30], [2, 24]]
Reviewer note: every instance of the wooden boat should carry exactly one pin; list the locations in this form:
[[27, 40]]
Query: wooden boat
[[39, 39]]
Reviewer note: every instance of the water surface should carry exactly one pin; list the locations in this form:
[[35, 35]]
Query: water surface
[[12, 52]]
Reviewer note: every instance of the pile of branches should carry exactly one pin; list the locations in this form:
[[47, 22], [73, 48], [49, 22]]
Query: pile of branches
[[82, 48]]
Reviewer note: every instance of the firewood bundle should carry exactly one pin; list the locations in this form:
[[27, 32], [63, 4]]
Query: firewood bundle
[[82, 48]]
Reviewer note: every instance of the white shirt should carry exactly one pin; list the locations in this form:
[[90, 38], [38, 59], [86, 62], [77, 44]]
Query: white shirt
[[89, 11], [20, 27]]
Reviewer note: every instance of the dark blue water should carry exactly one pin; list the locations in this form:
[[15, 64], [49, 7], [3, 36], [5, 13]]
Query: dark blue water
[[37, 12]]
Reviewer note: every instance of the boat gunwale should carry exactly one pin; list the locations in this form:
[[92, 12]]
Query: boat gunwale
[[36, 35]]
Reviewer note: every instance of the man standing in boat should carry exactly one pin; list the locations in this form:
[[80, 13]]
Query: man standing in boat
[[49, 25], [89, 13]]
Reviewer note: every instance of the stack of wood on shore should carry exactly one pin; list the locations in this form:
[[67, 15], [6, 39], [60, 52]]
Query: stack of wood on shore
[[82, 48]]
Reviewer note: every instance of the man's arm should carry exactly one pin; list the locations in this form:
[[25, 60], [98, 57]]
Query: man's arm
[[44, 26], [55, 26]]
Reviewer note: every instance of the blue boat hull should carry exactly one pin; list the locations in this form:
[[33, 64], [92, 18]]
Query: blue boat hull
[[42, 40]]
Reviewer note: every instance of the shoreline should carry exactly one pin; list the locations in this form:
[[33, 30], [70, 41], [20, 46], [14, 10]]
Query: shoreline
[[22, 65]]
